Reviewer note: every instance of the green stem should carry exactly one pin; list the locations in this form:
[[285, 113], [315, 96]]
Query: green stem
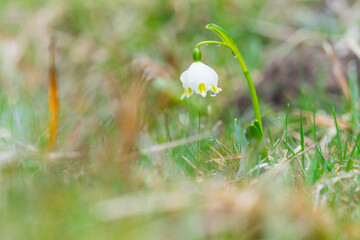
[[254, 100], [228, 42], [212, 42]]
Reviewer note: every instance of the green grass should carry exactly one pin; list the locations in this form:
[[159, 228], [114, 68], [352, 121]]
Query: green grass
[[132, 161]]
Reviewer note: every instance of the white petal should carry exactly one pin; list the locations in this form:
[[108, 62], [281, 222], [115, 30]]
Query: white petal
[[183, 76], [198, 73], [201, 73], [184, 93]]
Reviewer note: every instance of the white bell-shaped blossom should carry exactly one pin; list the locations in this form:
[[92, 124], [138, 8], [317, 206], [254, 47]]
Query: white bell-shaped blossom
[[200, 79]]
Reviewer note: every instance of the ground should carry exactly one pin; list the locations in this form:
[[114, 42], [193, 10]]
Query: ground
[[130, 160]]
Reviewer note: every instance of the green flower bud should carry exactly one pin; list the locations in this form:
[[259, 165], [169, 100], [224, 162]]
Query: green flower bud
[[196, 55]]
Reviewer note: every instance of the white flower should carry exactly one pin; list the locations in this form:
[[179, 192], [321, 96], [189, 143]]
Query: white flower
[[200, 79]]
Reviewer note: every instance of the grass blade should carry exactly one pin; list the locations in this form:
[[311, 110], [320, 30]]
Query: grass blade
[[302, 140], [337, 135], [53, 99]]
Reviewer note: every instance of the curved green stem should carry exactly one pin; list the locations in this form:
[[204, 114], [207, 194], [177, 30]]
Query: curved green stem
[[228, 42], [212, 42]]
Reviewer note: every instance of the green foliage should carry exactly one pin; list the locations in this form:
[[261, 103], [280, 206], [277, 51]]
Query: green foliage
[[132, 161]]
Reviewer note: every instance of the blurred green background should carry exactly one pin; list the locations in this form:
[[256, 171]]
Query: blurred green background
[[127, 163]]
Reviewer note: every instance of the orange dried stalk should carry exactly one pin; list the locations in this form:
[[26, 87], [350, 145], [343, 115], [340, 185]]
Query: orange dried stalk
[[53, 98]]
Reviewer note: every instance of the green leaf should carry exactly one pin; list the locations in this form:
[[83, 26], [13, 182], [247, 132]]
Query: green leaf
[[254, 132], [223, 35]]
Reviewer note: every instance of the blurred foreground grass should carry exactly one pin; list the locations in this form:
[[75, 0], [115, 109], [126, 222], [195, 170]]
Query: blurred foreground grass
[[133, 162]]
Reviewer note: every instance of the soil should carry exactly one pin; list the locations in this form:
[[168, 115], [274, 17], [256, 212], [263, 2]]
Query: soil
[[283, 79]]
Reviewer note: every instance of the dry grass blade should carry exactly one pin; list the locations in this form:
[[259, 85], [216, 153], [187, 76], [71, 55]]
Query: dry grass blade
[[301, 153], [53, 98], [354, 46], [221, 156], [230, 157], [64, 155], [337, 69], [180, 142], [327, 182], [326, 121], [6, 158], [193, 166], [139, 204]]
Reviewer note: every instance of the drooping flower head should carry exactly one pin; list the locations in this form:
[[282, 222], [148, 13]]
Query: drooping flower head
[[199, 78]]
